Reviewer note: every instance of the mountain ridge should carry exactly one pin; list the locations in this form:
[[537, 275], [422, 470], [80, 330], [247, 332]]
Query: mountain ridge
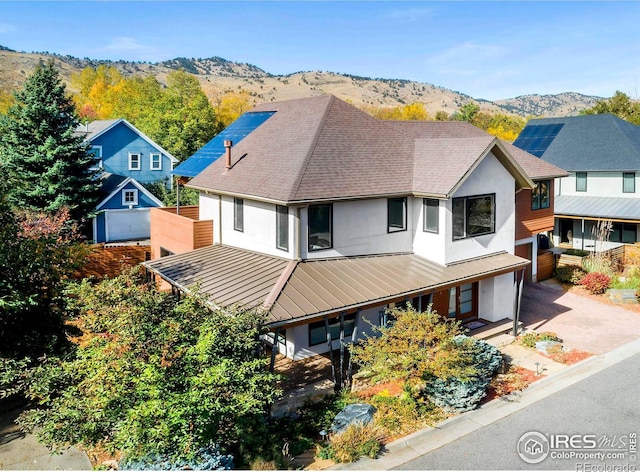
[[218, 75]]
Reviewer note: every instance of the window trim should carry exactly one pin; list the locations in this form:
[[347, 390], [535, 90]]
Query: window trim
[[579, 177], [152, 162], [282, 211], [134, 192], [238, 214], [537, 195], [425, 208], [397, 229], [96, 151], [131, 161], [633, 181], [330, 206], [466, 234]]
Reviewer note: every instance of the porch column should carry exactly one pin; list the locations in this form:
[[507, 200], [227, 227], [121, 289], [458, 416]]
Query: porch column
[[274, 348], [519, 284], [341, 350], [333, 368], [354, 336]]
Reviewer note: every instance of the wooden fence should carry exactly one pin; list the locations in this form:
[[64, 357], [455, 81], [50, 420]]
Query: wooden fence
[[110, 261]]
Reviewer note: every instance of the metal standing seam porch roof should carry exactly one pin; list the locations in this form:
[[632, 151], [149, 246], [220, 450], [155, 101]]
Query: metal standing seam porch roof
[[298, 291], [627, 209]]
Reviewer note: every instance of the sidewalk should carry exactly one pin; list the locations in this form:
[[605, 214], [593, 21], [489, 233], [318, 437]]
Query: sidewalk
[[424, 441], [19, 451]]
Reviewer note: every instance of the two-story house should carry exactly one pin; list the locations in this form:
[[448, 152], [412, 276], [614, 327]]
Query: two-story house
[[326, 216], [127, 159], [602, 155]]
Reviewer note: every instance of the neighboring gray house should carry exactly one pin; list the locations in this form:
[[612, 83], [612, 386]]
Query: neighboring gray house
[[602, 155]]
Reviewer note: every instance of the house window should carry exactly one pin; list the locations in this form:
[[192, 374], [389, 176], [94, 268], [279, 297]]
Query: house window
[[238, 214], [431, 219], [282, 227], [96, 152], [473, 216], [581, 181], [134, 161], [129, 197], [397, 214], [156, 161], [320, 227], [623, 233], [540, 195], [629, 182], [318, 330]]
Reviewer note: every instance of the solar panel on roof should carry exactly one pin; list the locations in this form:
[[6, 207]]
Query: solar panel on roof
[[535, 139], [211, 151]]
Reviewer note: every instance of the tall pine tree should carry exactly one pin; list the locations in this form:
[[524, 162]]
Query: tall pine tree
[[47, 164]]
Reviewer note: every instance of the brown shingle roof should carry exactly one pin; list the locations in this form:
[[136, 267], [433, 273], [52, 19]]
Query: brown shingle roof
[[535, 167], [322, 148]]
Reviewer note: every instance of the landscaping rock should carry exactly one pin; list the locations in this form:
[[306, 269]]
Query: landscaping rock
[[358, 413], [623, 295], [547, 347]]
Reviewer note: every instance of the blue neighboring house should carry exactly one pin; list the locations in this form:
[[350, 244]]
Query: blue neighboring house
[[127, 158]]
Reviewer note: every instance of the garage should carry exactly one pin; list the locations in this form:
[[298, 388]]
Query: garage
[[123, 225]]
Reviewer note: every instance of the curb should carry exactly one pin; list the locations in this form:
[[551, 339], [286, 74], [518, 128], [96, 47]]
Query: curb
[[424, 441]]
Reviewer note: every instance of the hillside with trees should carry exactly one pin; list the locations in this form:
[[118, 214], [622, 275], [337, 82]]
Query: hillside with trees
[[218, 77]]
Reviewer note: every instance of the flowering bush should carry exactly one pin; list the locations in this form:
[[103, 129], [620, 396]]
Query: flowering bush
[[596, 282]]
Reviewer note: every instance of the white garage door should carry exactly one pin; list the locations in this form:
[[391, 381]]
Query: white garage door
[[124, 225]]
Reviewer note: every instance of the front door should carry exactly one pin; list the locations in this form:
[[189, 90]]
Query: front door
[[463, 302]]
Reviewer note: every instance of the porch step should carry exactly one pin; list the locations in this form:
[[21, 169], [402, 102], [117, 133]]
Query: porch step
[[494, 329]]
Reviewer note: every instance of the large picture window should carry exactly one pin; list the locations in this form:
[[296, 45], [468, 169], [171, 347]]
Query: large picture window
[[431, 217], [238, 214], [540, 197], [397, 214], [320, 227], [473, 216], [282, 227], [318, 330], [624, 233]]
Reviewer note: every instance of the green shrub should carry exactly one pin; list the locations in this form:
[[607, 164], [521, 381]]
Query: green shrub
[[530, 338], [463, 394], [576, 252], [630, 282], [598, 264], [596, 282], [207, 458], [570, 274], [354, 442]]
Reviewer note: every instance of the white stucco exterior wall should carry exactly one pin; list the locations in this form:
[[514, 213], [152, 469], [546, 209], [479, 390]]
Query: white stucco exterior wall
[[489, 177], [360, 227], [496, 298], [430, 245], [599, 184]]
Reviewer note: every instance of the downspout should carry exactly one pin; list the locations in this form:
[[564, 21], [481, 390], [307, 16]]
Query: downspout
[[341, 350], [519, 286], [582, 222]]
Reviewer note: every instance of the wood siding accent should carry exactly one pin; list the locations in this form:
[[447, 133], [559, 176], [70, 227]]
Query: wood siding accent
[[531, 222], [179, 233], [110, 261], [545, 265], [441, 303], [525, 251]]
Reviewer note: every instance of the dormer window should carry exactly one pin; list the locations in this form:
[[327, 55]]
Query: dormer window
[[134, 161]]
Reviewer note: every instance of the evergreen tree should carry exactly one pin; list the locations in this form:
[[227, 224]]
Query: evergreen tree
[[48, 165]]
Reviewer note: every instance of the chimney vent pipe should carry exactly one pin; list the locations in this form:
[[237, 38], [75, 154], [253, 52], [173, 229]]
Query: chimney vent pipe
[[227, 144]]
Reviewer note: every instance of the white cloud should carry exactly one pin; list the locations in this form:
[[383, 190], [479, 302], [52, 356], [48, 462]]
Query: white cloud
[[410, 15]]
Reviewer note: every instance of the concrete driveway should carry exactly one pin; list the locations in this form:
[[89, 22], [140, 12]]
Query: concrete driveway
[[580, 322]]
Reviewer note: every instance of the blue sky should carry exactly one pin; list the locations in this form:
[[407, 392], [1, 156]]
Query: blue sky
[[488, 50]]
